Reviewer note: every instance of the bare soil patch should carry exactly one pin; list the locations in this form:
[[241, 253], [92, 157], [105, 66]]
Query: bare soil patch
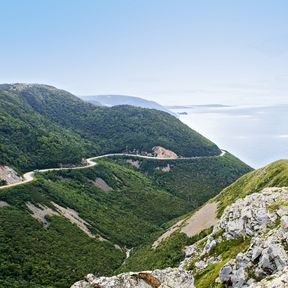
[[134, 163], [40, 212], [3, 204], [101, 184], [204, 218], [9, 175], [161, 152]]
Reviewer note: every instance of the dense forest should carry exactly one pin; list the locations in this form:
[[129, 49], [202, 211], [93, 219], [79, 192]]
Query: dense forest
[[42, 126], [133, 213]]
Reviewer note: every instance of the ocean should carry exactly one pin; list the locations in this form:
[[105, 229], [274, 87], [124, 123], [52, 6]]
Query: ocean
[[258, 135]]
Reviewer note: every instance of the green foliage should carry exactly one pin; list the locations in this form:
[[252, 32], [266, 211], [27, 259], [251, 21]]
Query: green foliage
[[275, 206], [273, 175], [28, 140], [133, 214], [206, 278], [41, 126], [228, 249], [3, 182], [193, 180], [134, 200], [31, 256], [169, 253]]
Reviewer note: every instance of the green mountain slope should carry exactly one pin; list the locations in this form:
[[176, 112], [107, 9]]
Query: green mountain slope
[[135, 210], [255, 234], [42, 126], [193, 180], [170, 252], [84, 220], [272, 175]]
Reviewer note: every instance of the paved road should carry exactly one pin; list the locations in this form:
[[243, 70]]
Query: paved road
[[29, 176]]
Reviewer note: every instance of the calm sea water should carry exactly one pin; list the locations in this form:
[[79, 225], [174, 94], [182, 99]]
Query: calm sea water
[[257, 135]]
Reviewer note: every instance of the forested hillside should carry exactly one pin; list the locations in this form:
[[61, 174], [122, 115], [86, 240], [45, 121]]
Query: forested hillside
[[129, 208], [68, 223], [42, 126]]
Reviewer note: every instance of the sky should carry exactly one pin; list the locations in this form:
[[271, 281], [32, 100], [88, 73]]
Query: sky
[[171, 51]]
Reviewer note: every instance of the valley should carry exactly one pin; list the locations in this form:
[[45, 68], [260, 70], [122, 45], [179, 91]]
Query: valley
[[114, 190], [247, 247]]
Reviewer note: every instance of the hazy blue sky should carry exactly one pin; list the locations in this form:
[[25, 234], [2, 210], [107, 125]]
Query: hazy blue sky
[[172, 51]]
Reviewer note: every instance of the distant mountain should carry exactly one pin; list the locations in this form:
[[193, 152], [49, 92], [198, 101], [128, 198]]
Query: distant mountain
[[114, 100], [96, 103]]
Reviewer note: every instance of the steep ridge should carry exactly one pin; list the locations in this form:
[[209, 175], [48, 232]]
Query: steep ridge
[[248, 247]]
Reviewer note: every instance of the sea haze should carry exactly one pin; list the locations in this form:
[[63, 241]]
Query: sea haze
[[258, 135]]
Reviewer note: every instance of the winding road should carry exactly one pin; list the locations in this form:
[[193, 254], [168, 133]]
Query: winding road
[[29, 176]]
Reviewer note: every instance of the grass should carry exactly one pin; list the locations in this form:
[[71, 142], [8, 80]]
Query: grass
[[193, 180], [228, 250], [169, 253], [276, 205], [134, 214], [31, 256], [273, 175]]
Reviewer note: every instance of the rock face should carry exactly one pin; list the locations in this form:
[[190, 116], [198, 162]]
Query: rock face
[[264, 257], [101, 184], [169, 277], [160, 152], [257, 216], [279, 280], [9, 175], [251, 215], [261, 218]]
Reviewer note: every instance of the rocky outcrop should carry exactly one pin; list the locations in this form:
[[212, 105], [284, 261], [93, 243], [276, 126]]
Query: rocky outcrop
[[161, 152], [278, 280], [251, 215], [148, 279], [260, 218], [101, 184], [264, 257], [8, 175]]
